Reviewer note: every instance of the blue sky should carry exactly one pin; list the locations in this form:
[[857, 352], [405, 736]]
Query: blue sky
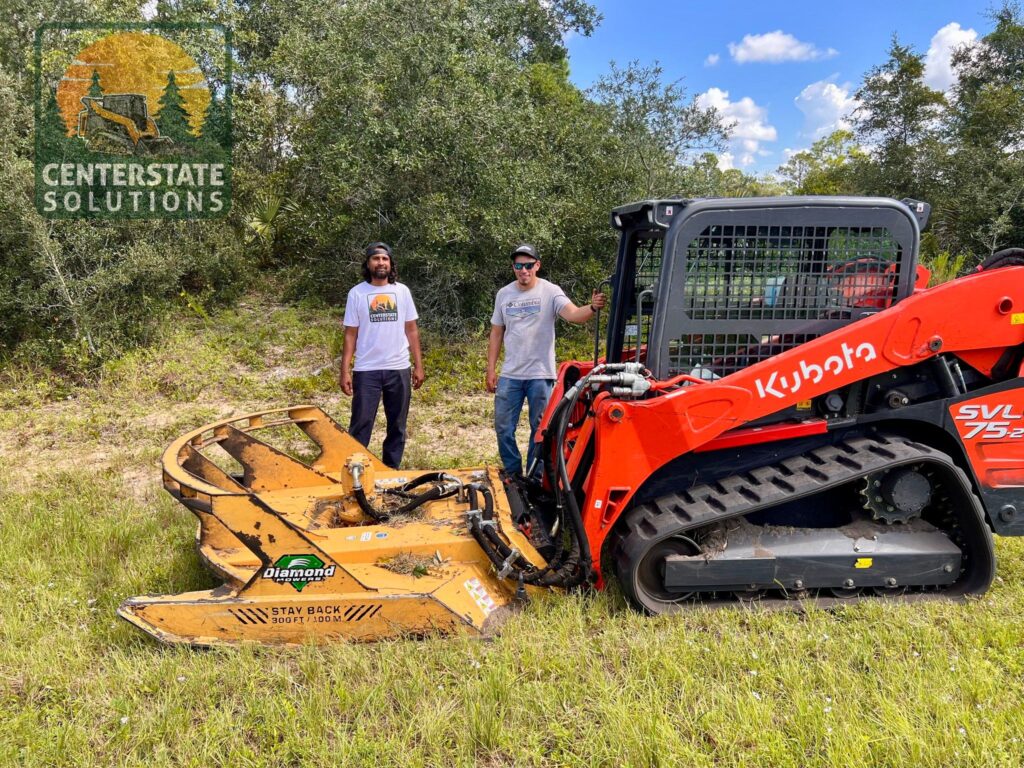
[[786, 72]]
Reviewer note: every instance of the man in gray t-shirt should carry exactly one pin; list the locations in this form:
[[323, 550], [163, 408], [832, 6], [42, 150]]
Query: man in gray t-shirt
[[524, 319]]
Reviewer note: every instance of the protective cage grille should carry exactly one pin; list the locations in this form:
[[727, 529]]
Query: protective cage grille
[[751, 292], [711, 356], [648, 269]]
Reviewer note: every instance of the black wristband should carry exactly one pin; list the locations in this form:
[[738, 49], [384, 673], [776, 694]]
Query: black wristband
[[593, 309]]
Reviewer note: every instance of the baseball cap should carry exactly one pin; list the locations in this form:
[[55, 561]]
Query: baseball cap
[[372, 248], [525, 249]]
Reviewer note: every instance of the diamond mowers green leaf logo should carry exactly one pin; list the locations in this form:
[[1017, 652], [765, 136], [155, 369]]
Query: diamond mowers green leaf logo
[[298, 570], [133, 120]]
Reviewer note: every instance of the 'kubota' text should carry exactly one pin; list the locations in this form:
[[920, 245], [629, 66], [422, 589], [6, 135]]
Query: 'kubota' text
[[781, 385]]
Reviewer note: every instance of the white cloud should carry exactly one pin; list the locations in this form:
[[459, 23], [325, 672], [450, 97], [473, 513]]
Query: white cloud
[[725, 161], [711, 60], [775, 47], [749, 122], [148, 9], [938, 69], [826, 107]]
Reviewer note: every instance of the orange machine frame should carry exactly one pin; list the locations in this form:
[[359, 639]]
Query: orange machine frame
[[975, 317]]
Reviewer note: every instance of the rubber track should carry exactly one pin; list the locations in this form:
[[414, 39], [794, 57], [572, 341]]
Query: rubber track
[[800, 476]]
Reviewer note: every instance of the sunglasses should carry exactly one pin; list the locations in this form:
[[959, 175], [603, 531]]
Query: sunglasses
[[527, 265]]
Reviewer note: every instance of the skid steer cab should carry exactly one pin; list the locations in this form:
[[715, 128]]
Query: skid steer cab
[[784, 413]]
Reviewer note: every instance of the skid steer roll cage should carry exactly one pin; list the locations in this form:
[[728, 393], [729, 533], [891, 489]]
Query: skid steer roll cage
[[746, 279]]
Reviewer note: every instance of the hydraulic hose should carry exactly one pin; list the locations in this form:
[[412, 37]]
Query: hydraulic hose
[[509, 563], [503, 557], [566, 489], [367, 507], [564, 567], [473, 518], [404, 491], [559, 473], [429, 477], [549, 446], [570, 565], [488, 527], [444, 486]]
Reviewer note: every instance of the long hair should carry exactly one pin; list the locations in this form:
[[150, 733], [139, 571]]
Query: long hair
[[371, 250]]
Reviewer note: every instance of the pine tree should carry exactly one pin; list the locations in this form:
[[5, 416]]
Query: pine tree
[[53, 131], [95, 89], [173, 120], [215, 123]]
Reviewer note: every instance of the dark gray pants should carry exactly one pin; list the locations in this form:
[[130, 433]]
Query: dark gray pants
[[368, 387]]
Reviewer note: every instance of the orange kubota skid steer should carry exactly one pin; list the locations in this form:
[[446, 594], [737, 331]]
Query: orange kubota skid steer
[[785, 413]]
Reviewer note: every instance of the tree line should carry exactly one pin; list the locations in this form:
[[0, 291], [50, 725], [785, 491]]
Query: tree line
[[962, 150], [451, 130]]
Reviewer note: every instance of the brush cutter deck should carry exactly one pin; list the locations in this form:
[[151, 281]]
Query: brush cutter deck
[[338, 546]]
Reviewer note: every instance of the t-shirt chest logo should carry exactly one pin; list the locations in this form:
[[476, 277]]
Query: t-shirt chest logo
[[522, 308], [383, 307]]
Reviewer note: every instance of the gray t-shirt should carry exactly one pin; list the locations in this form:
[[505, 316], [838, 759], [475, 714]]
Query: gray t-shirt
[[529, 321]]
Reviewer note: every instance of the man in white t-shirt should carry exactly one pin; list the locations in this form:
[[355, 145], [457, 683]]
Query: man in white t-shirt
[[524, 320], [380, 330]]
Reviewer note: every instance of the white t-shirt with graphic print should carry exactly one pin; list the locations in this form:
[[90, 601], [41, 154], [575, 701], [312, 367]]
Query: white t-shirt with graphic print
[[380, 313], [529, 321]]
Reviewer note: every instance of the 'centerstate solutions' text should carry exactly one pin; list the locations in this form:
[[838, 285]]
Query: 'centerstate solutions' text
[[133, 188]]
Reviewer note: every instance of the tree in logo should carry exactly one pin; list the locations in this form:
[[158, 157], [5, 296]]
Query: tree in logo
[[53, 131], [173, 119], [95, 89], [215, 123]]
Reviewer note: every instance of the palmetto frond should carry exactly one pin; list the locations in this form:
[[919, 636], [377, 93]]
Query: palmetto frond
[[268, 216]]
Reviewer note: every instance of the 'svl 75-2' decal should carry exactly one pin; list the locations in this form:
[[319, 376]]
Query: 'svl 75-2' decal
[[989, 422]]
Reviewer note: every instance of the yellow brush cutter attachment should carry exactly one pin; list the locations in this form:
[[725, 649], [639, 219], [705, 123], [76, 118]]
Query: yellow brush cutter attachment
[[334, 544]]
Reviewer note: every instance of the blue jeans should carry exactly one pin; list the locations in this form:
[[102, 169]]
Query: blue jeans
[[508, 404], [368, 388]]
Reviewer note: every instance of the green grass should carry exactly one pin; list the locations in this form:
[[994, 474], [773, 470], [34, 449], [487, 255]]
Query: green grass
[[572, 680]]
